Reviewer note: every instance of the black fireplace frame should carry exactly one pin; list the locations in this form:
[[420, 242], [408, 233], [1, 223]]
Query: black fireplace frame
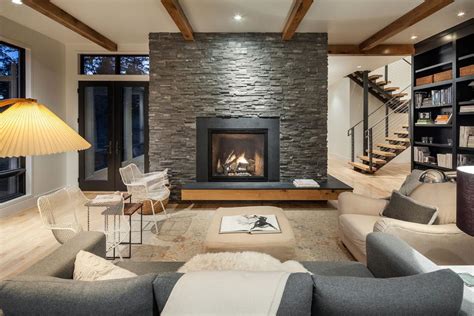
[[206, 125], [263, 178]]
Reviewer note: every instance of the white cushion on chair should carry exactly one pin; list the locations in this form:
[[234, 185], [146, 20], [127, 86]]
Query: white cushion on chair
[[89, 267]]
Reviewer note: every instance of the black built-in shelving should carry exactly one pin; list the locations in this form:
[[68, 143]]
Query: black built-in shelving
[[448, 50]]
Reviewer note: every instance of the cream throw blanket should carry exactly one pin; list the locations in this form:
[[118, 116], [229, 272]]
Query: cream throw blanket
[[227, 293]]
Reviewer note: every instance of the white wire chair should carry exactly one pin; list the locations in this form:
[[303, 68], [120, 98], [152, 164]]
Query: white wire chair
[[144, 187], [58, 212]]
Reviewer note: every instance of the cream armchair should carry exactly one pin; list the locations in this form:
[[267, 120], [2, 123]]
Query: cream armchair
[[442, 242]]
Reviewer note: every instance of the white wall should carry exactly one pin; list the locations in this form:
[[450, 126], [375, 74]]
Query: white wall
[[338, 119], [46, 82], [345, 109]]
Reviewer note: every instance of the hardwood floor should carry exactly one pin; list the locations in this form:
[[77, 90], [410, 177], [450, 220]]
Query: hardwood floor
[[23, 240]]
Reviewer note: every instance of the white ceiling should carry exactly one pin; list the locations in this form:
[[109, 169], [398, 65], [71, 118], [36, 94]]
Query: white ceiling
[[129, 22]]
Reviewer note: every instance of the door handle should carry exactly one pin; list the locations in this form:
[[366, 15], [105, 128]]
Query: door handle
[[117, 149], [109, 150]]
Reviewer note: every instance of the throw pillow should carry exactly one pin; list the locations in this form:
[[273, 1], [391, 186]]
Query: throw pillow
[[406, 209], [89, 267], [239, 261], [412, 181]]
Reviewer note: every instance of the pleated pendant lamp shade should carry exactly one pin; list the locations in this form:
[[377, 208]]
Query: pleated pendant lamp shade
[[28, 128]]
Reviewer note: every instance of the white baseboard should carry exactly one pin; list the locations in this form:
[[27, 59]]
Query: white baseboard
[[20, 204]]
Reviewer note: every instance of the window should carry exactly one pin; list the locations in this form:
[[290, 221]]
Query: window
[[115, 65], [12, 85]]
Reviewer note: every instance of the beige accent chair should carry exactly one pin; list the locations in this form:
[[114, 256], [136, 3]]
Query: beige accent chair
[[441, 242]]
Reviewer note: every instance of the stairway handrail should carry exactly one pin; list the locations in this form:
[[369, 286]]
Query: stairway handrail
[[401, 106], [349, 131]]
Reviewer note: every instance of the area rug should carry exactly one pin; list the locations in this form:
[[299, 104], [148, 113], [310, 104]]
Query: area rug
[[181, 236]]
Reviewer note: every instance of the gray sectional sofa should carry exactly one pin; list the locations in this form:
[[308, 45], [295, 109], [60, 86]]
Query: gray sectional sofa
[[393, 283]]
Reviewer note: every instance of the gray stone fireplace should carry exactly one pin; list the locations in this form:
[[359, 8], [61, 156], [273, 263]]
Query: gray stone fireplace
[[235, 76]]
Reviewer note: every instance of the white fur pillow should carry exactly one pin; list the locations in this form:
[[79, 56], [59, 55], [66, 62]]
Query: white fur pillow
[[239, 261], [89, 267]]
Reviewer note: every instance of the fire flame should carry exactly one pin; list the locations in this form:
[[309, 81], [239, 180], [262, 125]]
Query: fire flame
[[242, 160]]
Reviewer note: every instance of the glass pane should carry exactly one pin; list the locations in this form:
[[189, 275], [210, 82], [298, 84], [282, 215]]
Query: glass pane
[[8, 186], [96, 131], [9, 60], [134, 65], [9, 164], [99, 65], [133, 147]]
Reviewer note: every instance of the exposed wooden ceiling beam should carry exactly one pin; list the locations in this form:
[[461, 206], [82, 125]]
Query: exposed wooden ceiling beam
[[427, 8], [380, 50], [299, 10], [177, 14], [62, 17]]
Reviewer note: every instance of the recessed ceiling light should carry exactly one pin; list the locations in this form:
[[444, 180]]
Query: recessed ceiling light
[[17, 2], [414, 37], [238, 17], [461, 13], [359, 66]]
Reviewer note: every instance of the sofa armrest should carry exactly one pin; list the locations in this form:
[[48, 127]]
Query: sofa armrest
[[443, 244], [388, 256], [60, 263], [351, 203]]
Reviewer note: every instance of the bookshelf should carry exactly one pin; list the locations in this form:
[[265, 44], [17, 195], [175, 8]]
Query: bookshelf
[[443, 89]]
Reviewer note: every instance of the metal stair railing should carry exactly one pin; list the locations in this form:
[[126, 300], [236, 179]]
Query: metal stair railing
[[388, 119]]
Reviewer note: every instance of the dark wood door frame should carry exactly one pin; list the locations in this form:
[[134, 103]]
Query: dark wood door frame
[[114, 157]]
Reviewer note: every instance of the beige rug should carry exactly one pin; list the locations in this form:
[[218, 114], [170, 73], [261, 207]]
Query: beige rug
[[181, 236]]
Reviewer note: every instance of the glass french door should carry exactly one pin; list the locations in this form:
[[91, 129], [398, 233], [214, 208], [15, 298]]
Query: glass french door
[[113, 118]]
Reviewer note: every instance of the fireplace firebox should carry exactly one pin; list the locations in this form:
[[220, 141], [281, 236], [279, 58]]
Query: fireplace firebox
[[237, 149]]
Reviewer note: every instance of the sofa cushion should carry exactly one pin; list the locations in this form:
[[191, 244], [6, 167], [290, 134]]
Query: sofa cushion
[[435, 293], [38, 295], [328, 268], [441, 195], [407, 209], [412, 181], [296, 299], [356, 228], [141, 268], [60, 263]]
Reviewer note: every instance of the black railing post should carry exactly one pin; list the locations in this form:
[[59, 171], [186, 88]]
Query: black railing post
[[386, 74], [386, 119], [369, 136], [365, 77], [352, 145]]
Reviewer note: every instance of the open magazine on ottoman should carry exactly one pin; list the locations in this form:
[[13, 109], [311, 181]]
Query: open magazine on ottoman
[[250, 224]]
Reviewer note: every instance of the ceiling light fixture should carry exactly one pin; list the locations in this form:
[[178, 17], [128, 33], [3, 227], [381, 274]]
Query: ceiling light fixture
[[238, 17], [17, 2], [414, 37], [359, 66], [461, 13]]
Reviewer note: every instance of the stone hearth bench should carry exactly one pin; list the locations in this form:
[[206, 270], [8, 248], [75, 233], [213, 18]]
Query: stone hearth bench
[[281, 246], [262, 191]]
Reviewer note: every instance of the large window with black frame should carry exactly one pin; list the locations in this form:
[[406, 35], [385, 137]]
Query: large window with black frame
[[12, 85]]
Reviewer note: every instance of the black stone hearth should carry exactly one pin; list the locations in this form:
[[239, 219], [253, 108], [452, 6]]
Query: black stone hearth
[[237, 149]]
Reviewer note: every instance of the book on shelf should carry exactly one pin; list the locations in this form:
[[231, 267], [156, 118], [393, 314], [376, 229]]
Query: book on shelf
[[250, 224], [443, 119], [466, 136], [445, 160], [466, 109], [442, 97], [465, 160], [421, 154], [305, 183]]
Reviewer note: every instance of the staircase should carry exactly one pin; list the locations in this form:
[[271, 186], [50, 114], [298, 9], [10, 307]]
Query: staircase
[[381, 145]]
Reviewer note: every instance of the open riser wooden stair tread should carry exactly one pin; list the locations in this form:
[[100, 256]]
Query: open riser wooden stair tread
[[390, 146], [376, 161], [375, 77], [383, 83], [397, 139], [362, 167], [383, 153], [390, 89], [401, 133]]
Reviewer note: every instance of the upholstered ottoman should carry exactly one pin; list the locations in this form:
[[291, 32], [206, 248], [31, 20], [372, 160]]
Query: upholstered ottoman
[[280, 246]]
